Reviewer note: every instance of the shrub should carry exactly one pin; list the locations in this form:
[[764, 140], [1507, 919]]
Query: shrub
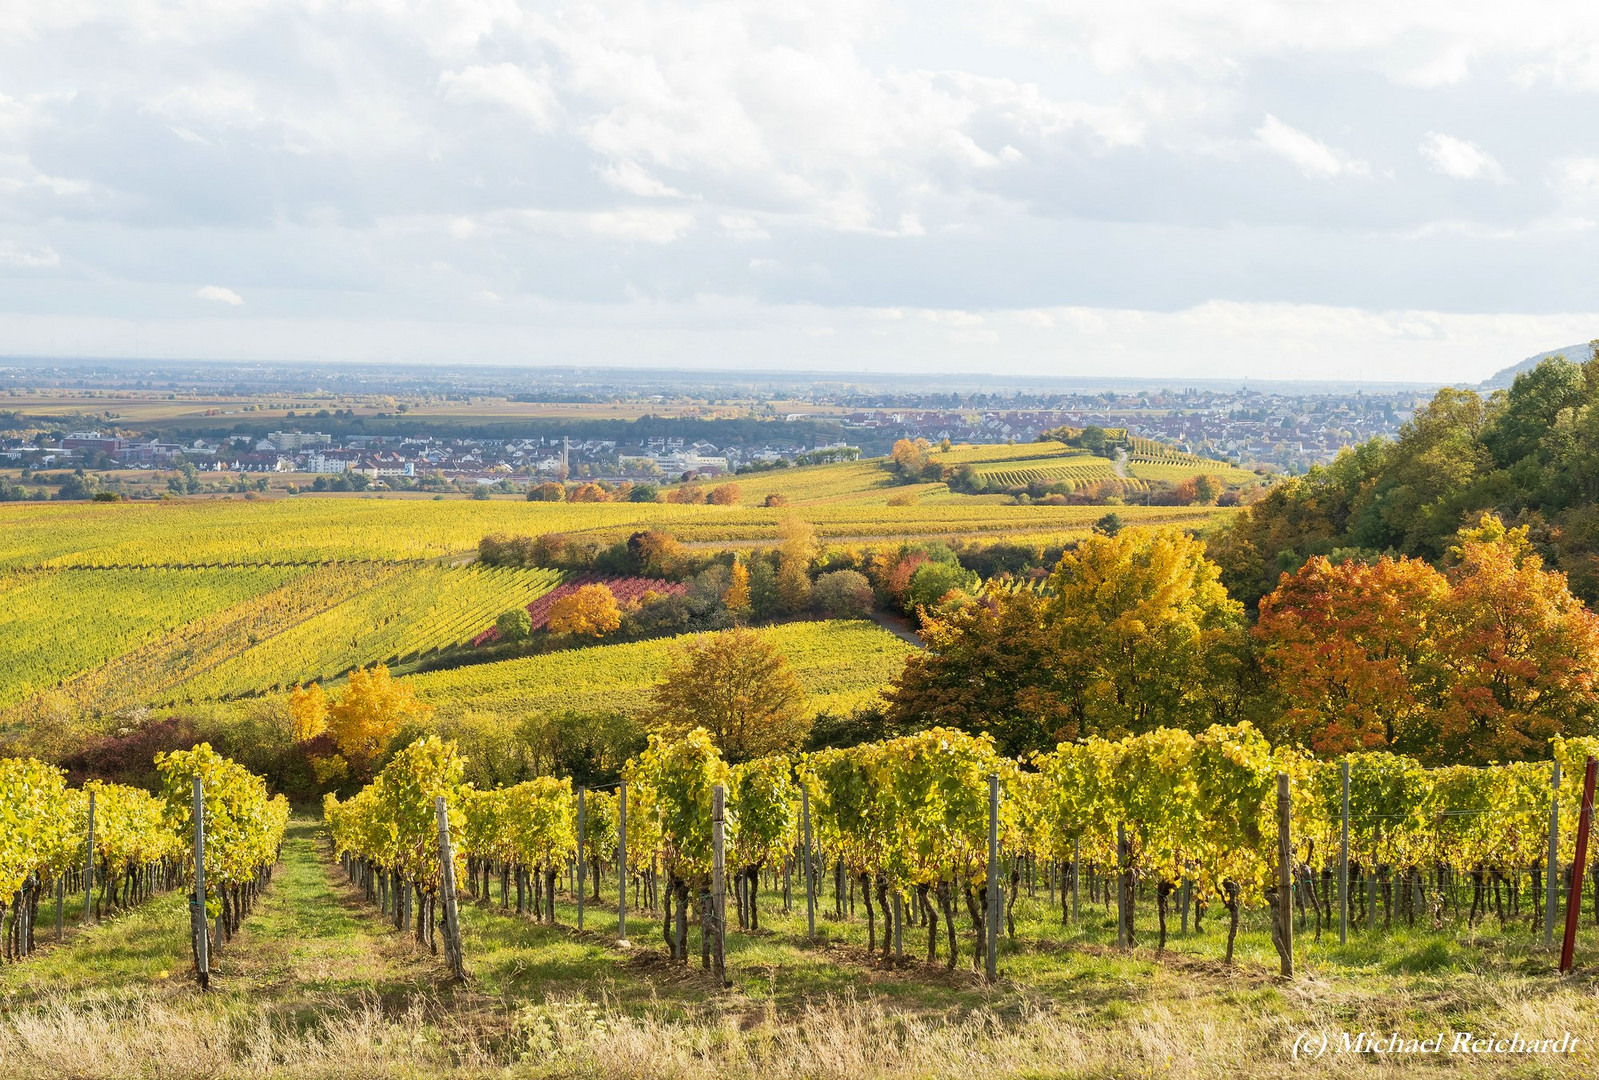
[[843, 594]]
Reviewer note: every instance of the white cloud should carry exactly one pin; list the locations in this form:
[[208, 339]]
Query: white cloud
[[1309, 155], [633, 179], [27, 258], [1460, 158], [644, 224], [220, 294], [514, 87]]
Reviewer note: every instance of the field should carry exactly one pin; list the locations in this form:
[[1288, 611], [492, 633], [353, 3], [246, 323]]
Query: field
[[841, 664]]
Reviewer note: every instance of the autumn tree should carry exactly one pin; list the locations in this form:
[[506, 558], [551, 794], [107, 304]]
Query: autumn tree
[[843, 594], [724, 495], [1353, 651], [737, 686], [775, 499], [549, 491], [1522, 652], [588, 611], [798, 549], [308, 712], [736, 597], [1146, 634], [655, 553], [363, 719], [911, 457], [590, 493]]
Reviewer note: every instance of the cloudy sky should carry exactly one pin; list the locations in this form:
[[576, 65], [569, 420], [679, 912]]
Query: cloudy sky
[[1184, 188]]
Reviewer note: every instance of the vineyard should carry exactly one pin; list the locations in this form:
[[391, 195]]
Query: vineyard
[[936, 837], [54, 624], [841, 665], [409, 615], [56, 840]]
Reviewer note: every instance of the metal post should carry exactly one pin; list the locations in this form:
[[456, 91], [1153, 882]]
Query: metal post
[[718, 884], [580, 860], [1574, 900], [621, 861], [88, 867], [810, 870], [1343, 857], [452, 916], [61, 893], [992, 959], [1285, 872], [1551, 900], [202, 944]]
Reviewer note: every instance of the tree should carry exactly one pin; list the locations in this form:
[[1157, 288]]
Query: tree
[[589, 493], [794, 566], [843, 594], [775, 499], [989, 666], [1522, 652], [1147, 635], [514, 625], [308, 711], [933, 582], [589, 611], [736, 598], [372, 708], [644, 493], [911, 457], [655, 553], [738, 687], [1353, 653], [549, 491], [724, 495]]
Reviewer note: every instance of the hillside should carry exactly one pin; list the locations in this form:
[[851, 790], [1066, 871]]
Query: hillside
[[1501, 380]]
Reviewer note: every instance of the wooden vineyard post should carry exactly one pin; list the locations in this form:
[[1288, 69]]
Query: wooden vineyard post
[[991, 961], [61, 895], [88, 866], [1574, 900], [1285, 867], [580, 860], [1551, 900], [202, 957], [808, 869], [899, 928], [718, 884], [1121, 886], [1343, 857], [1076, 866], [452, 916], [621, 861]]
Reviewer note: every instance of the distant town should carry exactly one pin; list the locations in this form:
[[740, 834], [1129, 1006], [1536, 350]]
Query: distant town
[[457, 427]]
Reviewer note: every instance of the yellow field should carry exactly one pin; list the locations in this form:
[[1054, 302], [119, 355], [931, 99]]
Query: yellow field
[[842, 665]]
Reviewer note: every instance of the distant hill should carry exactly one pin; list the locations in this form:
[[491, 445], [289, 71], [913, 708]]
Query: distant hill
[[1502, 380]]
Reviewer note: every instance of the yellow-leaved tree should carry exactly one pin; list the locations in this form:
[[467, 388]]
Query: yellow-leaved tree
[[737, 686], [736, 597], [587, 612], [362, 720]]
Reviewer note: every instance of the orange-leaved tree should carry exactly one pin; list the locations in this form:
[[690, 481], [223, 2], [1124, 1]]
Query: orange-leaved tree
[[590, 611], [1523, 651], [1353, 651]]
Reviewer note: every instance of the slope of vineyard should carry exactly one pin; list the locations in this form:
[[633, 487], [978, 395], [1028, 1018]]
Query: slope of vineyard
[[147, 672], [419, 611], [1165, 469], [842, 666], [55, 624]]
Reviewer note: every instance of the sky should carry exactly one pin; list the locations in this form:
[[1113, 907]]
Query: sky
[[1366, 190]]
